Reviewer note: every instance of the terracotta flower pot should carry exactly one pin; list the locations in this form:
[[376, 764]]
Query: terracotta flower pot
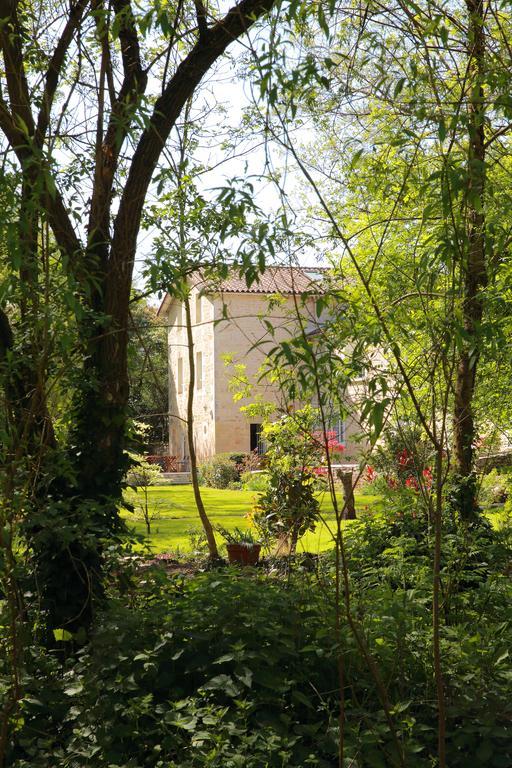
[[243, 554]]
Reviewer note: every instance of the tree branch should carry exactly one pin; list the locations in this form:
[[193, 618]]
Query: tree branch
[[52, 202], [55, 67], [134, 82], [12, 133], [202, 24], [17, 86], [166, 111], [132, 88]]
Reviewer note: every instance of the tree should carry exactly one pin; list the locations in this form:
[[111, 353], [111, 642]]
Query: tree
[[288, 507], [85, 143], [412, 203], [141, 476], [413, 197]]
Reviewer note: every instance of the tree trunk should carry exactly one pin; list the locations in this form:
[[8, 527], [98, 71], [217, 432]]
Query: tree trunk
[[294, 539], [348, 492], [474, 267], [207, 526]]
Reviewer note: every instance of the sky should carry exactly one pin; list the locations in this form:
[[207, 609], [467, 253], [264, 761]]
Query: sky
[[225, 97]]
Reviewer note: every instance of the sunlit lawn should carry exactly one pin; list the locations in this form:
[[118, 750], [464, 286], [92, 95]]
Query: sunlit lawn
[[177, 515]]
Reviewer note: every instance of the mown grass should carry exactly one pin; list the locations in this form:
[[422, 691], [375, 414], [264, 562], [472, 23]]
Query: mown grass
[[176, 515]]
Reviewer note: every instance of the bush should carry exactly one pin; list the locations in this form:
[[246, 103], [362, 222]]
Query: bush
[[288, 507], [219, 472], [493, 488], [220, 671], [143, 472], [403, 457], [237, 458], [254, 481]]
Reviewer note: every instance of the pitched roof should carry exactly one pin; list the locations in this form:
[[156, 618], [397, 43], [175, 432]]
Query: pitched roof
[[282, 280], [279, 280]]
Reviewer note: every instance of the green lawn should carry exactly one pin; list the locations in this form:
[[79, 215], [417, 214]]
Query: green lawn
[[177, 515]]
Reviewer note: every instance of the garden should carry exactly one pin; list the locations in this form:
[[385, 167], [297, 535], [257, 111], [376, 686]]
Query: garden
[[243, 667], [175, 525], [340, 596]]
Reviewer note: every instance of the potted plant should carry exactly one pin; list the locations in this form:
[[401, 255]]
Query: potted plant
[[241, 545]]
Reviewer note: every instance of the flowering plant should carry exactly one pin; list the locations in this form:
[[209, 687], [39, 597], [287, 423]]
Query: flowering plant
[[370, 474], [244, 537], [288, 507], [328, 442], [403, 462]]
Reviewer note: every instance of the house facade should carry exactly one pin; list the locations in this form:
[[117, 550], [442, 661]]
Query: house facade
[[230, 322]]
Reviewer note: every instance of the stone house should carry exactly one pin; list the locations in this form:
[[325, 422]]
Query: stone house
[[229, 320]]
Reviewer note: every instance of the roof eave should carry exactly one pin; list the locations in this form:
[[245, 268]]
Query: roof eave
[[164, 305]]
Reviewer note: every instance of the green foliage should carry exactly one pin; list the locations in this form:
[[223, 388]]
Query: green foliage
[[198, 543], [142, 473], [288, 506], [254, 481], [493, 488], [227, 670], [462, 498], [238, 536], [402, 454], [219, 472]]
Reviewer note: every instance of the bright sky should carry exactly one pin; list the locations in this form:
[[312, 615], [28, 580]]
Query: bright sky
[[251, 158]]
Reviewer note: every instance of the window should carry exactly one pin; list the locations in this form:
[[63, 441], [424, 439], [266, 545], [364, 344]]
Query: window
[[336, 424], [180, 375], [339, 426], [256, 439], [333, 423], [199, 370], [199, 313]]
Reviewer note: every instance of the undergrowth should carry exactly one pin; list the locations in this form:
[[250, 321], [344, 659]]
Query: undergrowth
[[238, 668]]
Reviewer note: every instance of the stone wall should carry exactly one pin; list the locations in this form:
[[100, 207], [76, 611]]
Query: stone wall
[[204, 399], [232, 324], [244, 338]]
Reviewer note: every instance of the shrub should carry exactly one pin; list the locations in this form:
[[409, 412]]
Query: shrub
[[140, 476], [288, 507], [493, 488], [237, 458], [403, 457], [251, 462], [218, 472], [254, 481], [220, 671]]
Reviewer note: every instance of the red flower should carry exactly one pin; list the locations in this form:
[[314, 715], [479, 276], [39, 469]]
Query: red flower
[[411, 482], [427, 478], [370, 474], [328, 441], [404, 458]]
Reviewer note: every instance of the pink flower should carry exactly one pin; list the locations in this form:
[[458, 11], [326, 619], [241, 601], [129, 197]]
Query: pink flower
[[328, 441]]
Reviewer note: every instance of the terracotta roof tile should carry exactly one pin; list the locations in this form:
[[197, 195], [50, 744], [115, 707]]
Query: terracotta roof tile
[[281, 280]]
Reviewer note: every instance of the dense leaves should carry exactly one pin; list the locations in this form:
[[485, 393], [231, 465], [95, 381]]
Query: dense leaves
[[230, 669]]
